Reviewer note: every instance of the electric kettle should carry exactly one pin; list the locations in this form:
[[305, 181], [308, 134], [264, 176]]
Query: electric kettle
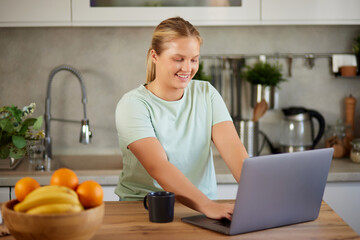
[[298, 129]]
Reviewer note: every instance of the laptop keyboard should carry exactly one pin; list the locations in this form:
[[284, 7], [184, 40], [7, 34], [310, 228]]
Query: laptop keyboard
[[223, 222]]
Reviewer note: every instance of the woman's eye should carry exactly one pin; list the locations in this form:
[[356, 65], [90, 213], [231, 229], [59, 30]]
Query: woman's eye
[[194, 60], [178, 60]]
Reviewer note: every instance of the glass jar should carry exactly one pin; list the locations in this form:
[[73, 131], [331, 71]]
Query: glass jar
[[355, 150], [339, 136], [36, 154]]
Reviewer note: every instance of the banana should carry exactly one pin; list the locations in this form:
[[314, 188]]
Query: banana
[[51, 188], [56, 208], [46, 197]]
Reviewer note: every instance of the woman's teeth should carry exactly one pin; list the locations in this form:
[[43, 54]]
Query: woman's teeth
[[183, 76]]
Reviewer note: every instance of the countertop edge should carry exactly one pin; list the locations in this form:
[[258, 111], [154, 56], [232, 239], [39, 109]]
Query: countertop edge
[[342, 170]]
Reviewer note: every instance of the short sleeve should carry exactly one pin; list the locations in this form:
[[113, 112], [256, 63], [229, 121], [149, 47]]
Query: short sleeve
[[220, 112], [132, 121]]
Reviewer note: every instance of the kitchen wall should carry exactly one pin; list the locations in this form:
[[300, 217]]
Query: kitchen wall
[[112, 62]]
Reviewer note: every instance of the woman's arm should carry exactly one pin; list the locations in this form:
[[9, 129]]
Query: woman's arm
[[153, 157], [230, 147]]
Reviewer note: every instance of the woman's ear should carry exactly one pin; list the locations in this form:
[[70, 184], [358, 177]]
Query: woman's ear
[[154, 56]]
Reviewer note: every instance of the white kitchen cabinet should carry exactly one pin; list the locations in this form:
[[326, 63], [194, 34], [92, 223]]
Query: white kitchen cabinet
[[109, 194], [35, 13], [38, 13], [4, 194], [227, 191], [85, 15], [12, 193], [344, 199], [310, 12]]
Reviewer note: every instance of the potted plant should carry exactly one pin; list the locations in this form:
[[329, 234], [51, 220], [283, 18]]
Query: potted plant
[[16, 130], [356, 50], [264, 78]]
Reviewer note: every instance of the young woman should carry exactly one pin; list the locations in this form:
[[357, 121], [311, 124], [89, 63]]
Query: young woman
[[166, 126]]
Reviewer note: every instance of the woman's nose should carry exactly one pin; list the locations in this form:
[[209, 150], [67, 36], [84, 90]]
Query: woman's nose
[[186, 66]]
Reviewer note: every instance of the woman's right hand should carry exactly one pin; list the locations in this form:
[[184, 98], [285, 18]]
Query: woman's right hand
[[171, 179], [216, 210]]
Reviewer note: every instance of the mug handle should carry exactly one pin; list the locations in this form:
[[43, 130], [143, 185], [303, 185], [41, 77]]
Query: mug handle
[[145, 205]]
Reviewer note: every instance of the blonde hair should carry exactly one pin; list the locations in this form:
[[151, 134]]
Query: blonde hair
[[166, 31]]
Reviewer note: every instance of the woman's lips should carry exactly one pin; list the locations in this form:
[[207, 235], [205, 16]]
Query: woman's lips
[[183, 76]]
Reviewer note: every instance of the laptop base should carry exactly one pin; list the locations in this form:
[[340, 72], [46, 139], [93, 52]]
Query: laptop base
[[221, 226]]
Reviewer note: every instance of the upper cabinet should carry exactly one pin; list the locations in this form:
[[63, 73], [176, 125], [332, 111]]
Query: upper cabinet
[[84, 14], [207, 13], [310, 11], [35, 13]]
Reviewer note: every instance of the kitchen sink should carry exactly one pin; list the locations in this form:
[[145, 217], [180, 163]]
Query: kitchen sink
[[9, 163]]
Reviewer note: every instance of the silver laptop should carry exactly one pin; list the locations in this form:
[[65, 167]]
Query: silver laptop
[[275, 190]]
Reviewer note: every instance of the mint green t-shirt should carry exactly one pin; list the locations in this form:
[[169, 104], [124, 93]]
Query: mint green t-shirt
[[182, 127]]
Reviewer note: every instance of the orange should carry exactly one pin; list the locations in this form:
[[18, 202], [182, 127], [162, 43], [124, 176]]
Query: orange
[[90, 194], [24, 186], [65, 177]]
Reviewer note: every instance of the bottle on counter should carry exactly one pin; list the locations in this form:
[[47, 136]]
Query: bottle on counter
[[350, 103]]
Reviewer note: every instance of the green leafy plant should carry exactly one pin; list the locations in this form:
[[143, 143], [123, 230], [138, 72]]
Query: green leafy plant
[[16, 129], [264, 73], [200, 74], [356, 45]]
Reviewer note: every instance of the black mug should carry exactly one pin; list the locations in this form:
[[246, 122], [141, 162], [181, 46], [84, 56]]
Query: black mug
[[160, 206]]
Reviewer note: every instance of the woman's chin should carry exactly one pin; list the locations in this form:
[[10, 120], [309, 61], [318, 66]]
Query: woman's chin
[[182, 84]]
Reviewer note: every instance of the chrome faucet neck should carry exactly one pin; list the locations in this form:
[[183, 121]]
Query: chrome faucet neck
[[85, 135]]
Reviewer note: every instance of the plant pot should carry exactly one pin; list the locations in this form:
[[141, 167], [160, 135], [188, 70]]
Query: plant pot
[[348, 71], [259, 92]]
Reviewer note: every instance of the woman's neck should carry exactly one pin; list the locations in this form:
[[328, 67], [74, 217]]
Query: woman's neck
[[163, 92]]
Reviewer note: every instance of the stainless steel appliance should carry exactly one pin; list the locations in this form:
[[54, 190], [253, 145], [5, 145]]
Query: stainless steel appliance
[[298, 129], [249, 135]]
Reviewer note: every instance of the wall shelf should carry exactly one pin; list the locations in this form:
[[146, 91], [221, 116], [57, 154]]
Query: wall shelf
[[309, 59], [354, 77]]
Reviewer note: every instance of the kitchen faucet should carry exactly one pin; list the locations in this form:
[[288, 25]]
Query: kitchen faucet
[[85, 133]]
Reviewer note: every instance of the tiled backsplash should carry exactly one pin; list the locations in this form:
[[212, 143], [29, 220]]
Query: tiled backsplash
[[112, 61]]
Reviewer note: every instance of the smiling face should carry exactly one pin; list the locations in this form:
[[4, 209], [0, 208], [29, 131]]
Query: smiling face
[[177, 64]]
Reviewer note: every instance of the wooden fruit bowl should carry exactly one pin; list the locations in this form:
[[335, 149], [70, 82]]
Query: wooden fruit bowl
[[79, 226]]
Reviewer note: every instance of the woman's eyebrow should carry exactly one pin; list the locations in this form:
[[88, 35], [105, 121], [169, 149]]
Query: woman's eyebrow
[[180, 55]]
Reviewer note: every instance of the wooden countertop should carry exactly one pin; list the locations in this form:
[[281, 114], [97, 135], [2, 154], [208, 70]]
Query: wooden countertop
[[129, 220]]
